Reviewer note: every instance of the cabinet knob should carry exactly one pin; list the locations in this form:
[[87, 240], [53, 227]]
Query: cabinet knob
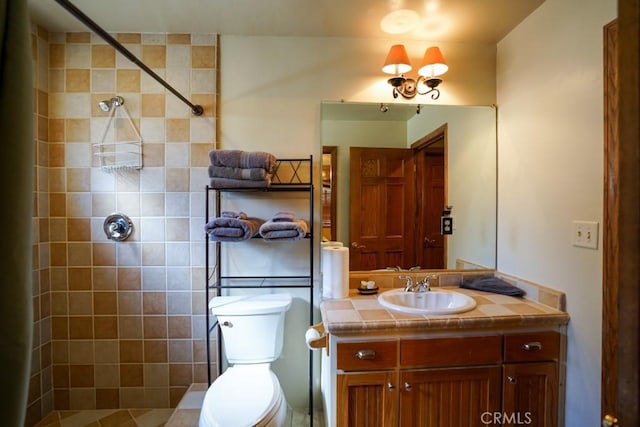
[[356, 245], [407, 386], [532, 346], [512, 380], [390, 386], [366, 354]]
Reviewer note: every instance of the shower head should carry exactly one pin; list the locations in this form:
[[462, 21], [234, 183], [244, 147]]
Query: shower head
[[107, 104]]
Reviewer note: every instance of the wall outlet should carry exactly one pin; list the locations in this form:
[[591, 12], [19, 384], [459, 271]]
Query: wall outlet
[[585, 234]]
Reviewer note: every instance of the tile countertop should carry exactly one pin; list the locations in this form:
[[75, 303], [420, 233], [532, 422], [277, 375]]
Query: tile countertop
[[363, 314]]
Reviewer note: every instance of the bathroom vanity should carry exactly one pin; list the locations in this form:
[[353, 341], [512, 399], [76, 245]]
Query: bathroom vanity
[[501, 363]]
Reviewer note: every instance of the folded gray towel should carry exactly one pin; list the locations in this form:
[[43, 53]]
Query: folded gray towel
[[284, 230], [227, 229], [492, 284], [243, 159], [238, 183], [284, 216], [233, 214], [255, 174]]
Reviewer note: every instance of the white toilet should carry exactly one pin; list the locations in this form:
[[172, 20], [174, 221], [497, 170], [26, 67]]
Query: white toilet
[[248, 392]]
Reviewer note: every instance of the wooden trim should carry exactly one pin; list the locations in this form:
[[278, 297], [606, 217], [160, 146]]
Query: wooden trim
[[610, 223], [332, 150], [628, 214]]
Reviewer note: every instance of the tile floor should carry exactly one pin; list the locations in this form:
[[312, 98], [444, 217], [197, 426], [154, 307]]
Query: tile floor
[[186, 414]]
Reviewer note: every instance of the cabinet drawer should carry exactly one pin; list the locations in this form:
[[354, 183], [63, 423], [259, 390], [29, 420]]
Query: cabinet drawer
[[458, 351], [367, 355], [532, 347]]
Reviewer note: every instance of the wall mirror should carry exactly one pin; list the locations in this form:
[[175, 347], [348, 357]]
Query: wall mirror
[[464, 137]]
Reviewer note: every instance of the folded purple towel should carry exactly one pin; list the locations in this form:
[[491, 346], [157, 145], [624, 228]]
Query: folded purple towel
[[233, 214], [255, 174], [227, 229], [237, 183], [272, 231], [243, 159], [284, 216]]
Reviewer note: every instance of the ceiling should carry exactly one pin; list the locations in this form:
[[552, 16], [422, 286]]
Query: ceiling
[[469, 21]]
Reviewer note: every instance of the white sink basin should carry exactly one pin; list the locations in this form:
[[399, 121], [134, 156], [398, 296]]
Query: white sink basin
[[431, 302]]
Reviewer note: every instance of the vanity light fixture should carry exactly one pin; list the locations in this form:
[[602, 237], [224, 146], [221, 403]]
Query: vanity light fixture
[[433, 65]]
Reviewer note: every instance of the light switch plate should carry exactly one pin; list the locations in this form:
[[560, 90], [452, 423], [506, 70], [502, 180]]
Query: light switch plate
[[585, 234]]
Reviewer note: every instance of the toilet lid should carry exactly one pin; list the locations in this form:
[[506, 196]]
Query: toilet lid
[[241, 396]]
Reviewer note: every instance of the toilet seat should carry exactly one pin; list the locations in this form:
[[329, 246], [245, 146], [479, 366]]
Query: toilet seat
[[244, 395]]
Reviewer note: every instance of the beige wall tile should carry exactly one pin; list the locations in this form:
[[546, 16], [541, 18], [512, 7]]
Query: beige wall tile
[[152, 105], [177, 179], [128, 81], [105, 327], [130, 303], [107, 398], [56, 55], [129, 278], [130, 327], [155, 327], [104, 254], [107, 351], [129, 38], [175, 38], [77, 130], [131, 375], [154, 56], [105, 303], [104, 277], [79, 278], [130, 351], [80, 302], [178, 130], [79, 229], [155, 351], [78, 37], [77, 80], [78, 56], [103, 56], [203, 56], [154, 303], [106, 376], [153, 155], [180, 374], [81, 327]]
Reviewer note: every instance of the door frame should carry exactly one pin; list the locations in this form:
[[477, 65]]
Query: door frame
[[623, 334], [419, 147]]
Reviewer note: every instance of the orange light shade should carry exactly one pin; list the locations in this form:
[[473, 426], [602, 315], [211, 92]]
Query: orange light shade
[[433, 63], [397, 61]]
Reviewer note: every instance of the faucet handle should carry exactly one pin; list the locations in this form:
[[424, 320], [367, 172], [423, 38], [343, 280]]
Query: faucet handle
[[408, 283]]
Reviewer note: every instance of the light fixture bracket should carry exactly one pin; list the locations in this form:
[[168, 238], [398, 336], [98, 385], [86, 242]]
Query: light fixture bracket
[[409, 88]]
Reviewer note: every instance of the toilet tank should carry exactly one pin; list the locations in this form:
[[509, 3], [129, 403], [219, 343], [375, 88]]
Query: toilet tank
[[252, 326]]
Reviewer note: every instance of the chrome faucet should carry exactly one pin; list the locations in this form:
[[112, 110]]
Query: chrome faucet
[[422, 286], [408, 287]]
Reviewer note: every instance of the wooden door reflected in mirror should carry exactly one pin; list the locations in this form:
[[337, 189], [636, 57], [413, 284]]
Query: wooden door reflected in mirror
[[329, 186]]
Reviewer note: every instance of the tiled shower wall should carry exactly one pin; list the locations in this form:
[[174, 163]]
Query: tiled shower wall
[[120, 324]]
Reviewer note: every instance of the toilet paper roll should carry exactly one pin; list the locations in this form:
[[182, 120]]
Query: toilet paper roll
[[311, 335], [335, 272]]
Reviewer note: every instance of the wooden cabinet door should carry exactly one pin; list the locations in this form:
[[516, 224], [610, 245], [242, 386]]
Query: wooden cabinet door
[[452, 397], [367, 399], [530, 394]]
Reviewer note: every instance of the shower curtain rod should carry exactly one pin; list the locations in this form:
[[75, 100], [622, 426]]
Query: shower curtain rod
[[197, 110]]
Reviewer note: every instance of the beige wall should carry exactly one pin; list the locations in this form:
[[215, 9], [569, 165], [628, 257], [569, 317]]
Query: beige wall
[[271, 90], [551, 172], [125, 325]]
